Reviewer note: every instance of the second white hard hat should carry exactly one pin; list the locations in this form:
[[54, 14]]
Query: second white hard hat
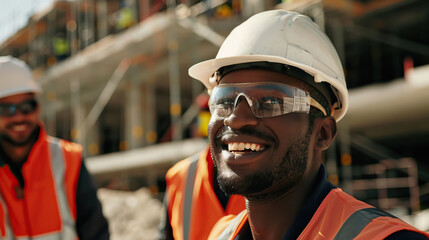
[[284, 37], [16, 77]]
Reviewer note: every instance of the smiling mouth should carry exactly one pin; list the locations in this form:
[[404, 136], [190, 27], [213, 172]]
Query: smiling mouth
[[19, 127], [243, 147]]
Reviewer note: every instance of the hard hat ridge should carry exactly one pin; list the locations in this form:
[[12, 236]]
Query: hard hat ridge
[[16, 77], [283, 37]]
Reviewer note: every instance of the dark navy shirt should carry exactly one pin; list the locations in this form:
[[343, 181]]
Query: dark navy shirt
[[321, 189]]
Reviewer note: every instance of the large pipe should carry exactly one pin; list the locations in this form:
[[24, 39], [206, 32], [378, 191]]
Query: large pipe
[[396, 107]]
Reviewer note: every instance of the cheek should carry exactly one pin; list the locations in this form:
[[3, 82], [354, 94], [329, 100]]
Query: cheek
[[215, 124], [2, 123]]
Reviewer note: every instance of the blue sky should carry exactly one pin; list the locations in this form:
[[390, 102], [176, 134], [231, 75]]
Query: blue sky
[[15, 13]]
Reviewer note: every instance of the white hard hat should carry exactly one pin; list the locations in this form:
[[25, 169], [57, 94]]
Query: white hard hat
[[16, 77], [284, 37]]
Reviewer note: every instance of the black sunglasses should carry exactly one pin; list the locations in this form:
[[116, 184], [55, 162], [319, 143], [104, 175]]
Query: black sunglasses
[[25, 107]]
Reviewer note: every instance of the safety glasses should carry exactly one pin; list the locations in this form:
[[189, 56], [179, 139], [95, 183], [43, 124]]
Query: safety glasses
[[265, 99], [25, 107]]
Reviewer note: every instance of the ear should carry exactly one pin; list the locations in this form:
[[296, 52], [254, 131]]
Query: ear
[[326, 128]]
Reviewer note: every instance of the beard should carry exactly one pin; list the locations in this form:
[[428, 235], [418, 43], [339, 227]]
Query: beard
[[20, 142], [288, 171]]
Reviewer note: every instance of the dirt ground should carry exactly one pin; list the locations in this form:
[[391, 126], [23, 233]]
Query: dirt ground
[[131, 215]]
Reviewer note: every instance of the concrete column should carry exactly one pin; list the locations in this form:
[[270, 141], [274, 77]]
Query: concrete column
[[133, 116], [251, 7], [150, 108], [92, 136], [76, 112], [174, 74], [103, 22], [346, 158], [50, 113], [338, 39], [331, 163]]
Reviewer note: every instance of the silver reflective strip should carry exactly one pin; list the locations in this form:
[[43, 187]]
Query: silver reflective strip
[[229, 230], [189, 190], [56, 236], [6, 220], [58, 169], [356, 222], [9, 233]]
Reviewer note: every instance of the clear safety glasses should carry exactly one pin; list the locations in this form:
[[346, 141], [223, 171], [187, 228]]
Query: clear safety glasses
[[265, 99]]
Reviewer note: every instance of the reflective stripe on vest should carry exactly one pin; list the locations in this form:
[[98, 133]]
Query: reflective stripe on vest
[[232, 226], [8, 230], [189, 190], [358, 221], [339, 217], [58, 168], [68, 231]]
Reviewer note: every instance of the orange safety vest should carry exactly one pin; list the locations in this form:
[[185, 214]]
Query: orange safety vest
[[339, 217], [46, 207], [192, 204]]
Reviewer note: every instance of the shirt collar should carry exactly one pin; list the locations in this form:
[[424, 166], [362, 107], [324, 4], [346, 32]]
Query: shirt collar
[[321, 188]]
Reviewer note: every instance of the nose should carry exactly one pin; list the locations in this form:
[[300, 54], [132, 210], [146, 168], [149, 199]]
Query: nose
[[242, 115]]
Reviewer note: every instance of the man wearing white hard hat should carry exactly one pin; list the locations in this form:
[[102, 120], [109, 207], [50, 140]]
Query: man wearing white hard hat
[[277, 90], [46, 190]]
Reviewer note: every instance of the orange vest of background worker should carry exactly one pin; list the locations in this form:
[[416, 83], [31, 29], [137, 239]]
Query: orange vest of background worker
[[56, 165], [339, 216], [194, 201]]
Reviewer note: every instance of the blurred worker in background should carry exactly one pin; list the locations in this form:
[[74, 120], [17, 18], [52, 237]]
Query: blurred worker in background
[[60, 46], [126, 16], [46, 190], [277, 89], [193, 201]]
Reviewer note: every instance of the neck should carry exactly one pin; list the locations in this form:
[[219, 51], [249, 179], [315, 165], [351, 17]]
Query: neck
[[271, 218]]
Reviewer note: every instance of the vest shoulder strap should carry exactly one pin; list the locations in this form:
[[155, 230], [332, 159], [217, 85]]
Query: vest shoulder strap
[[59, 171], [232, 226], [189, 190], [356, 222]]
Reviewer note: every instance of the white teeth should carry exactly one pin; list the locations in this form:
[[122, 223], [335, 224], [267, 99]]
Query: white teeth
[[19, 127], [241, 146]]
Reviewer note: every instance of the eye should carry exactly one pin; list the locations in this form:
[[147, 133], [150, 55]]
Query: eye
[[27, 108], [271, 104], [271, 101], [226, 102]]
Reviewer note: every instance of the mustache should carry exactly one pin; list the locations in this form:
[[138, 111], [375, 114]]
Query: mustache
[[246, 131]]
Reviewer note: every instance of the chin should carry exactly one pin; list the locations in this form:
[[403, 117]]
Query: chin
[[232, 183]]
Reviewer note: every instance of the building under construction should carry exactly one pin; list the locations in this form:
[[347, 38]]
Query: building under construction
[[114, 78]]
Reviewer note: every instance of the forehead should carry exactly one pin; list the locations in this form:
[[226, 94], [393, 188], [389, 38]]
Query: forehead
[[17, 98], [262, 75]]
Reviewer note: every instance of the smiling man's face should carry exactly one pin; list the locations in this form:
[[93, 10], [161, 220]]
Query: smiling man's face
[[17, 129], [254, 156]]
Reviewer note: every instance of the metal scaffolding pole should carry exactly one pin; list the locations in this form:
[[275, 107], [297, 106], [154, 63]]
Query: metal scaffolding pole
[[174, 72]]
